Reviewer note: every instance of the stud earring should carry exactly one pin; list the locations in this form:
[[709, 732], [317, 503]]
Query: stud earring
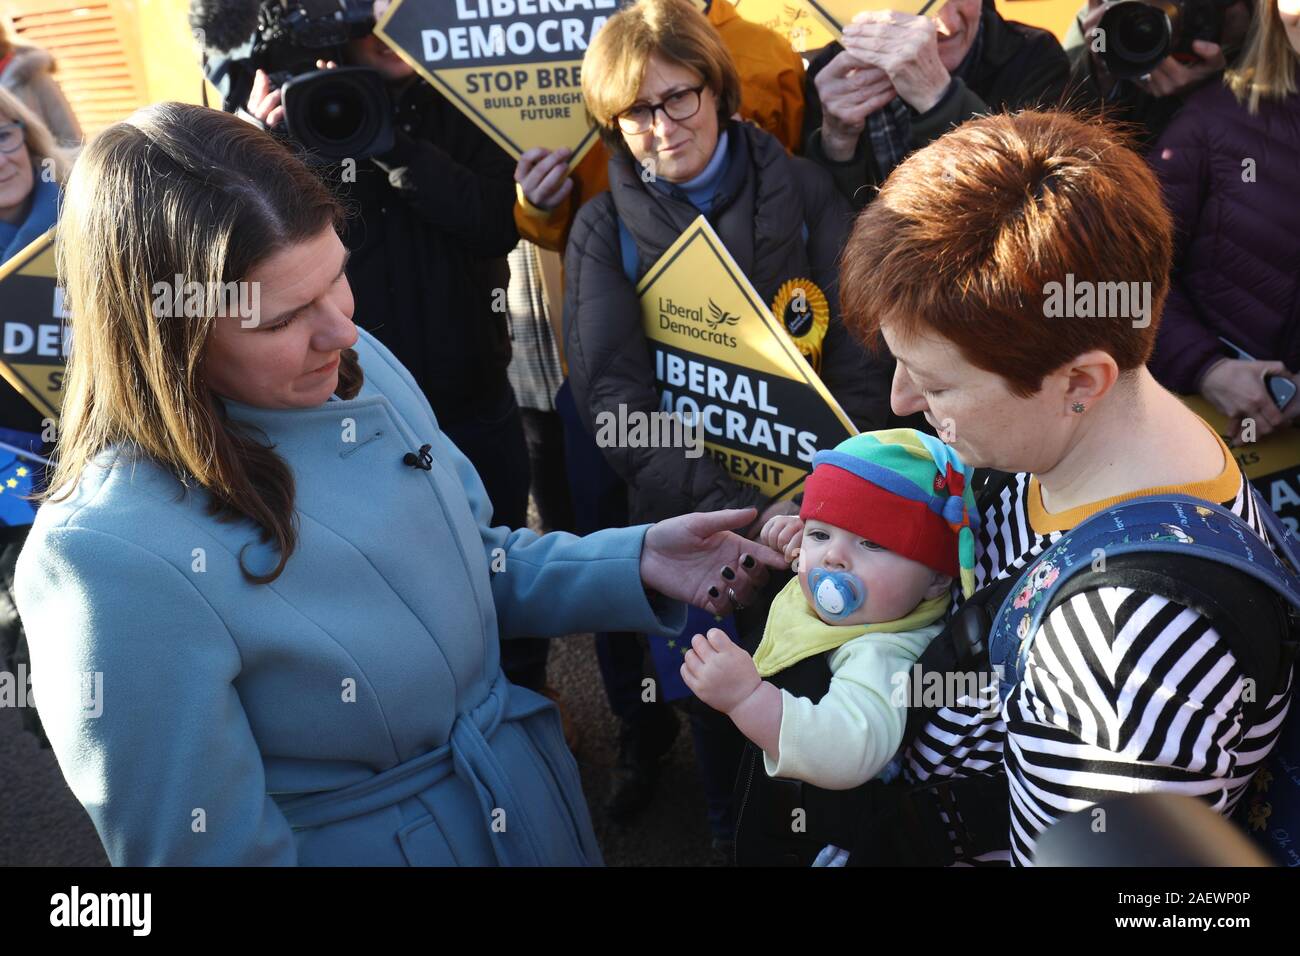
[[1077, 408]]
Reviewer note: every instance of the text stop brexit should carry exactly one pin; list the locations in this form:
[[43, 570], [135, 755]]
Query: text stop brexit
[[504, 81]]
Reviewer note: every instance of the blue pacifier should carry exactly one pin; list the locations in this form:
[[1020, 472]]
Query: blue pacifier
[[837, 593]]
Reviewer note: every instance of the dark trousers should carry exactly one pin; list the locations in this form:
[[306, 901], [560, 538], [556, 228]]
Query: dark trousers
[[600, 501], [550, 483], [494, 443]]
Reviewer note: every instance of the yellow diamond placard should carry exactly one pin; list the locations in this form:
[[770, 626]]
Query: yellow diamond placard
[[793, 19], [836, 14], [721, 355], [1272, 463], [34, 338], [512, 66]]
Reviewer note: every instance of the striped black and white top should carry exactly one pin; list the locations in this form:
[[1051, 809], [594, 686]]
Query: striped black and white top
[[1124, 692]]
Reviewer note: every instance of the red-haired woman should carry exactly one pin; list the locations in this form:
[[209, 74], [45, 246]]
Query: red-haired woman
[[975, 266]]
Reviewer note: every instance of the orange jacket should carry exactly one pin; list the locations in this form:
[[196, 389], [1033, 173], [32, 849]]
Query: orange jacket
[[771, 83]]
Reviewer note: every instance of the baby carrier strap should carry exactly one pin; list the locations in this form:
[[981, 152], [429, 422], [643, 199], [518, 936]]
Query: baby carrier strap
[[1191, 551], [1177, 547]]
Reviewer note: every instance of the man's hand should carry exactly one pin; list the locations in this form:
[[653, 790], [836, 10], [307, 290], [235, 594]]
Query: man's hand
[[264, 102], [850, 91], [1237, 389], [906, 47], [718, 672], [698, 559], [544, 176], [1171, 77]]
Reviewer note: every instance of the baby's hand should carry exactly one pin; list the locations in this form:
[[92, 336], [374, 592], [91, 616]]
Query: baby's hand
[[718, 672], [783, 533]]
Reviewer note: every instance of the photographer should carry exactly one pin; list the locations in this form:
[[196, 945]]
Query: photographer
[[432, 224], [1150, 101]]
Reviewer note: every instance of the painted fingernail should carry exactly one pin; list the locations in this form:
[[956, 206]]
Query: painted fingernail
[[713, 592], [728, 574], [747, 561]]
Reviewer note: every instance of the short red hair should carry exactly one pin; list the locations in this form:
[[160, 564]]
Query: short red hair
[[967, 233]]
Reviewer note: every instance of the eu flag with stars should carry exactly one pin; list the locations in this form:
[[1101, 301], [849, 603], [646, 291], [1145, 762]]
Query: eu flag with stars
[[16, 481]]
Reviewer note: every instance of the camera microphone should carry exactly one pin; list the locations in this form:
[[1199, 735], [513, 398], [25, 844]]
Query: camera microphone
[[224, 25]]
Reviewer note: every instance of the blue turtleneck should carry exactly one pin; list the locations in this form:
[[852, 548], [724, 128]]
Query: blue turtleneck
[[703, 189]]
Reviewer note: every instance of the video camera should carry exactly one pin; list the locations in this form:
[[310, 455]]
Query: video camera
[[1138, 34], [337, 113]]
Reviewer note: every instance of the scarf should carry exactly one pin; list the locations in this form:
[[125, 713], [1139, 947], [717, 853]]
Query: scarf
[[889, 130], [794, 631]]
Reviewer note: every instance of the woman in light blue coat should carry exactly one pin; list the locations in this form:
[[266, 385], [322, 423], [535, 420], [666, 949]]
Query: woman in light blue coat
[[263, 599]]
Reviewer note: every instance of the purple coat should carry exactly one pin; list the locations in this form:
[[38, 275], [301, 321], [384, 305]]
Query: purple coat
[[1232, 182]]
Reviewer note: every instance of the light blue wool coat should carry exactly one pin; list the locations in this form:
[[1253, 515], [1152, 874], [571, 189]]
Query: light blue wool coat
[[351, 712]]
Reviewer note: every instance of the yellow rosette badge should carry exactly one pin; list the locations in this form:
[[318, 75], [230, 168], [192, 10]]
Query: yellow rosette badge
[[801, 308]]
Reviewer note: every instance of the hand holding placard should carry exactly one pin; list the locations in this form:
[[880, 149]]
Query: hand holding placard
[[543, 175]]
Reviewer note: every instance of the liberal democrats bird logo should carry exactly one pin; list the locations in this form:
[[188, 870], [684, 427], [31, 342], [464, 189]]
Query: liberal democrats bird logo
[[720, 316]]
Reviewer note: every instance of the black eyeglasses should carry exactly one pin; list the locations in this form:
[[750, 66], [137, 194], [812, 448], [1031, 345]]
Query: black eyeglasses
[[678, 106], [11, 136]]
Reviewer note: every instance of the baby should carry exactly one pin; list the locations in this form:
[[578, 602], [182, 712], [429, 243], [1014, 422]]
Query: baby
[[886, 521]]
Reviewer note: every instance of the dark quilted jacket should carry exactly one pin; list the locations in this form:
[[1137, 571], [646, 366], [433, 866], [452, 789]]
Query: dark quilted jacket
[[1237, 254]]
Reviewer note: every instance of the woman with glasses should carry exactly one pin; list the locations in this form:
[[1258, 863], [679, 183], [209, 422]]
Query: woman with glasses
[[32, 168], [664, 91]]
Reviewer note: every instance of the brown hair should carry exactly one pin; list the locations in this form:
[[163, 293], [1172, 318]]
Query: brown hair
[[177, 190], [968, 235], [1268, 64], [5, 46], [673, 30]]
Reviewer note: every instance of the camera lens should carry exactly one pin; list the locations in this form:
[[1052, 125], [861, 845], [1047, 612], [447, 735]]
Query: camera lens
[[1137, 38], [336, 112], [339, 113], [1143, 34]]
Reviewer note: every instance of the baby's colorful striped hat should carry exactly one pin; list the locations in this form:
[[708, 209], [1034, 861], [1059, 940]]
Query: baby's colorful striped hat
[[903, 489]]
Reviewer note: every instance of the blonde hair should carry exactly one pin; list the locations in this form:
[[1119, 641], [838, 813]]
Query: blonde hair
[[1268, 65], [41, 145], [177, 190], [675, 31]]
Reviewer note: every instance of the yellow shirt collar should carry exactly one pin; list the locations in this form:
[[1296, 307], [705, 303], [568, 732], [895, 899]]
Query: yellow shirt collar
[[1222, 487]]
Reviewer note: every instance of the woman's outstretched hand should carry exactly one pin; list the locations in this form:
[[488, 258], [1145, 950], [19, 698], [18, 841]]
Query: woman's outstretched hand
[[699, 559]]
